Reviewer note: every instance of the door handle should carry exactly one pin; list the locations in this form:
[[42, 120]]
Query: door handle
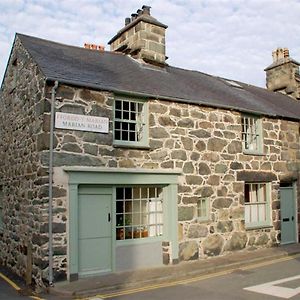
[[109, 217], [292, 218]]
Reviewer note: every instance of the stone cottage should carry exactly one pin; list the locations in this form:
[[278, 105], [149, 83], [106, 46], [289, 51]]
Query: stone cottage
[[108, 156]]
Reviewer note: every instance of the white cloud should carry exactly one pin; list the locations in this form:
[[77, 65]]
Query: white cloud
[[229, 38]]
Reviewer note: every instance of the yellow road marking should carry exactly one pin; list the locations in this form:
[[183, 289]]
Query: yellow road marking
[[190, 280], [16, 287], [11, 283]]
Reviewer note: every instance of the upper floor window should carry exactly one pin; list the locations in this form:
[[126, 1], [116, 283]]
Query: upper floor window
[[257, 204], [252, 135], [130, 122]]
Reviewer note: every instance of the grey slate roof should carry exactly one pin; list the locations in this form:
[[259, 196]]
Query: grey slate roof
[[120, 73]]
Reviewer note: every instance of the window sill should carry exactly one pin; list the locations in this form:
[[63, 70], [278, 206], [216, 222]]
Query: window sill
[[257, 153], [203, 220], [143, 147], [256, 227], [145, 240]]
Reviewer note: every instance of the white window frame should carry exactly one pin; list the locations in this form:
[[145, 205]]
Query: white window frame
[[137, 118], [252, 134], [257, 204], [203, 209], [141, 215]]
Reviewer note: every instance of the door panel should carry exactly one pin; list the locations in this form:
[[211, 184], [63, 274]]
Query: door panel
[[94, 233], [288, 214]]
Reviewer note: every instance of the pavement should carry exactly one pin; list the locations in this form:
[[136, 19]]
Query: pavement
[[109, 283]]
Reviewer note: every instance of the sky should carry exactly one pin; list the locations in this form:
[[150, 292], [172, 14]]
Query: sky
[[233, 39]]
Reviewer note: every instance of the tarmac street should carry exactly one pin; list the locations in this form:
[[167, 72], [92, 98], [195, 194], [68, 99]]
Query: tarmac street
[[271, 273], [9, 290], [279, 280]]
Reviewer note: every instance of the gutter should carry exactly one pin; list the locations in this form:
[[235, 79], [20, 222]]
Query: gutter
[[50, 212]]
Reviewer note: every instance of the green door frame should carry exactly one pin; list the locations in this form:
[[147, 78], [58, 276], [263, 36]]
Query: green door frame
[[112, 177]]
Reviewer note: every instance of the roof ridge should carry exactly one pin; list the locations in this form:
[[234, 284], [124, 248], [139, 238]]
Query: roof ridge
[[65, 45]]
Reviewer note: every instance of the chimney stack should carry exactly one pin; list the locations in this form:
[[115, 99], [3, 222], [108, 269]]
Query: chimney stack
[[283, 74], [143, 37]]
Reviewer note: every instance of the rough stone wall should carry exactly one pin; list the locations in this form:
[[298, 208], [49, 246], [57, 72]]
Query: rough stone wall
[[206, 144], [21, 175], [143, 40]]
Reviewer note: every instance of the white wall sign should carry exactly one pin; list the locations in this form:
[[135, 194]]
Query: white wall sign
[[81, 122]]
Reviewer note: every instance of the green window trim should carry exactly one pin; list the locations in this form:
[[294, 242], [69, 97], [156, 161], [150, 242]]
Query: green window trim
[[112, 178], [130, 122], [252, 135], [258, 205]]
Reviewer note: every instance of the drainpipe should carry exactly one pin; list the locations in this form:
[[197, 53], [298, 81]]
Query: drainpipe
[[53, 96]]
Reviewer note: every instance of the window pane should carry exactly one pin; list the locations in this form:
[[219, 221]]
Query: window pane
[[118, 104], [137, 214], [125, 105]]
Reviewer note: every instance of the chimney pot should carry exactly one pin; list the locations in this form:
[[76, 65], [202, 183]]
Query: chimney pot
[[133, 16], [94, 47], [286, 52], [146, 9], [139, 12], [127, 21]]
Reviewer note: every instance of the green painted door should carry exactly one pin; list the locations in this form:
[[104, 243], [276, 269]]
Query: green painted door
[[94, 231], [287, 212]]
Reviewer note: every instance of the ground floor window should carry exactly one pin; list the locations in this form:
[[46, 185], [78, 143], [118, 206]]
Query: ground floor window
[[203, 209], [139, 212], [257, 204]]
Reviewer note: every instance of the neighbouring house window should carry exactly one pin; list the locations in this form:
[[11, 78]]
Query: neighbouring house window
[[252, 134], [257, 204], [130, 122], [139, 212], [1, 208], [203, 209]]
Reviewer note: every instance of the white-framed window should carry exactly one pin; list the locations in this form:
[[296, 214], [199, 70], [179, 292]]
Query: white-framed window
[[130, 122], [257, 204], [252, 135], [203, 209], [139, 212], [1, 207]]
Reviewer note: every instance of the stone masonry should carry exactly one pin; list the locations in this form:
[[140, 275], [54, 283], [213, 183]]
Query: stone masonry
[[205, 143], [143, 37], [22, 177]]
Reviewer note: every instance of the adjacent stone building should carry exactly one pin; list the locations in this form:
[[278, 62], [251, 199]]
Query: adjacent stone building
[[107, 156]]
